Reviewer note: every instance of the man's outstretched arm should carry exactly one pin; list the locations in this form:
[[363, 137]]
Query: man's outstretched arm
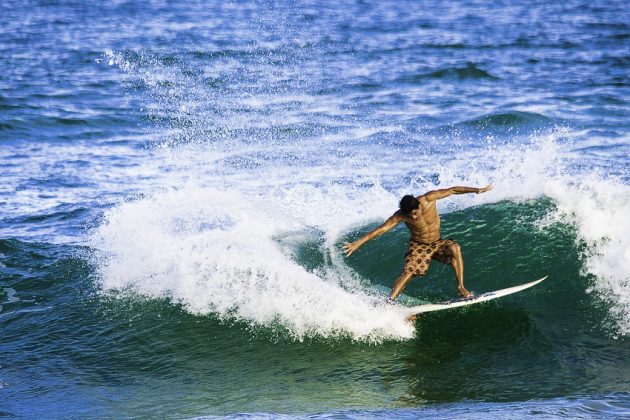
[[350, 247], [443, 193]]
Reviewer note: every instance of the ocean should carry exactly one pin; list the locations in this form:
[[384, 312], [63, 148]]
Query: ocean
[[178, 180]]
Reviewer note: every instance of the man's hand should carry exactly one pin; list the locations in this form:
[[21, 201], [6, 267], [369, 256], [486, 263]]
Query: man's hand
[[350, 247], [485, 189]]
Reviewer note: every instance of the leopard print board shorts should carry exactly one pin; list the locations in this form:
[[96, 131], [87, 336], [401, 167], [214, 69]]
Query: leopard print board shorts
[[419, 255]]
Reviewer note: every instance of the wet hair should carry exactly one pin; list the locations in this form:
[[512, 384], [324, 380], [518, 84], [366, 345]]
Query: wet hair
[[408, 204]]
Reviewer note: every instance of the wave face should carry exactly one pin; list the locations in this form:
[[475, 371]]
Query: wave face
[[272, 253], [178, 179]]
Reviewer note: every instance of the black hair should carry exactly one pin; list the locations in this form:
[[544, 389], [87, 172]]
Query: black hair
[[408, 204]]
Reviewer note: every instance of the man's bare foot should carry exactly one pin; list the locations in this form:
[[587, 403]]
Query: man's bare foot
[[412, 318], [465, 293]]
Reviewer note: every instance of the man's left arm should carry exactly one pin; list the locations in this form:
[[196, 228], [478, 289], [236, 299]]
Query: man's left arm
[[443, 193]]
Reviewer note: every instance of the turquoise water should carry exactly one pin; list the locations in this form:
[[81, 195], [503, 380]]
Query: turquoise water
[[177, 181]]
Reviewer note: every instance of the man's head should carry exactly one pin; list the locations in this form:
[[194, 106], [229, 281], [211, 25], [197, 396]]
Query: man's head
[[408, 204]]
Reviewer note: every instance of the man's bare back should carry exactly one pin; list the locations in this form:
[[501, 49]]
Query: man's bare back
[[420, 216]]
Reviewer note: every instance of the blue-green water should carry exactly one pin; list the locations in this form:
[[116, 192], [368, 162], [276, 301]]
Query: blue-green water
[[177, 179]]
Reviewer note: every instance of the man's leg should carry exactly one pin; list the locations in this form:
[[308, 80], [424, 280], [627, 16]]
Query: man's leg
[[400, 284], [457, 262]]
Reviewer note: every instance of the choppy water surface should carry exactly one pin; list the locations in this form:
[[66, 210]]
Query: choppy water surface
[[177, 179]]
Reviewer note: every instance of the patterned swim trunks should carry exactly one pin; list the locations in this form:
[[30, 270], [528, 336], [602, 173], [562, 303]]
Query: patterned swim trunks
[[419, 255]]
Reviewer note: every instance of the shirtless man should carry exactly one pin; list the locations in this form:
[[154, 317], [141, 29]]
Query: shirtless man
[[421, 217]]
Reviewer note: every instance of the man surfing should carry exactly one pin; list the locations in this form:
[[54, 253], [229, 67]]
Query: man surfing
[[421, 217]]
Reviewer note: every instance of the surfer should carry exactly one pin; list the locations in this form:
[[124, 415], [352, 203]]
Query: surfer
[[421, 217]]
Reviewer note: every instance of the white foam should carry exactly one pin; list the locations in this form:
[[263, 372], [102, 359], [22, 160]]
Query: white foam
[[599, 208], [214, 252]]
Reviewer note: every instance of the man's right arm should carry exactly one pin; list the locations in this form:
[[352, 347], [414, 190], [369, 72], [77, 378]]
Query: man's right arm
[[443, 193], [350, 247]]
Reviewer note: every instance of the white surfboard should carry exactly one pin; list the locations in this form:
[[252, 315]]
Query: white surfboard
[[430, 307]]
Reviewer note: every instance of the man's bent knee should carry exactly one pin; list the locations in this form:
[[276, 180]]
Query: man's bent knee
[[455, 249]]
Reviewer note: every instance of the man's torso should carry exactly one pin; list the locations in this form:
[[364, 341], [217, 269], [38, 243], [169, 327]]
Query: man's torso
[[425, 226]]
